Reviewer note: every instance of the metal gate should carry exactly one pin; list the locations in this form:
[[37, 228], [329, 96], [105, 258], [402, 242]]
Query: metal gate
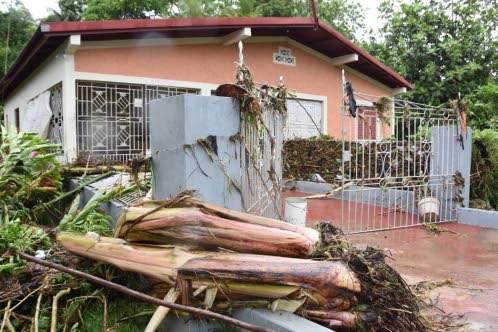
[[262, 167], [398, 156], [113, 118]]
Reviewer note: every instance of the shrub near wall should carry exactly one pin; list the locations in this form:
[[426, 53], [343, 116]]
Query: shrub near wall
[[484, 178], [369, 160], [304, 157]]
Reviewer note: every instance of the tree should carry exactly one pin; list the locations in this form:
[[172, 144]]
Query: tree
[[123, 9], [69, 10], [483, 107], [16, 28], [445, 48], [345, 16]]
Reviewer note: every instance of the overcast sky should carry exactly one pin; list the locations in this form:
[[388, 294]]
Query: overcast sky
[[40, 9]]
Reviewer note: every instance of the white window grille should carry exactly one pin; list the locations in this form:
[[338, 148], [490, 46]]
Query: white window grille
[[112, 118]]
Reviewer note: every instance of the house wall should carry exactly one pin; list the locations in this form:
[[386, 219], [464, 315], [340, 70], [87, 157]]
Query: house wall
[[193, 63], [59, 67], [210, 64], [48, 75]]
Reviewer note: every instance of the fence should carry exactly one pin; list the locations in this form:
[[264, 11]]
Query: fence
[[384, 182]]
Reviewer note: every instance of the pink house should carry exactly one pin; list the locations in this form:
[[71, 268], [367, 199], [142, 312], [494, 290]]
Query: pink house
[[93, 81]]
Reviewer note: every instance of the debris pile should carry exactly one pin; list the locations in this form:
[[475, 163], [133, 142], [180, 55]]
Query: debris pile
[[221, 259]]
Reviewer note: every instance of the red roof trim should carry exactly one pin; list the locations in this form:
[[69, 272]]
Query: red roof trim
[[147, 24]]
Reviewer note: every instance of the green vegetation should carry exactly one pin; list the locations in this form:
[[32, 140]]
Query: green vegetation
[[89, 218], [121, 316], [485, 167], [16, 28], [32, 202], [445, 48], [29, 175]]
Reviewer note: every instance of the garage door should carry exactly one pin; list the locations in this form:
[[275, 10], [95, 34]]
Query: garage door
[[304, 118]]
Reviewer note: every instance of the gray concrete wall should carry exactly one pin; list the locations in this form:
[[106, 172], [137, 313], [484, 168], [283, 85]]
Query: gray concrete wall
[[179, 162], [388, 198], [478, 217]]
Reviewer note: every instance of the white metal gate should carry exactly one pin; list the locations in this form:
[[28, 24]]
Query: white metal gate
[[410, 162], [262, 167]]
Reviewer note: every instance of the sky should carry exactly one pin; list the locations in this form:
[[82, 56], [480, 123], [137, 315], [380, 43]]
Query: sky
[[40, 9]]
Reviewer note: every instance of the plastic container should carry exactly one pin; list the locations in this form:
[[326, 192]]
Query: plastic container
[[428, 209], [295, 210]]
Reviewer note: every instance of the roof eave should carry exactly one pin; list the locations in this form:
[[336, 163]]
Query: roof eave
[[388, 70]]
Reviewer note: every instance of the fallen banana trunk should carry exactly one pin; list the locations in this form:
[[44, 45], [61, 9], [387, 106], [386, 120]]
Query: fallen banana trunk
[[239, 274], [212, 227]]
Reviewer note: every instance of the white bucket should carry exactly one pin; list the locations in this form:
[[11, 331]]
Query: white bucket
[[428, 208], [295, 210]]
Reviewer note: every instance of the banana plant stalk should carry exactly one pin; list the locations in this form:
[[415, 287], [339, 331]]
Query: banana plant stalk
[[212, 227], [268, 276]]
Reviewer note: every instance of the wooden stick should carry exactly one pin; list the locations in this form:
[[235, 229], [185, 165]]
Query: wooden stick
[[6, 314], [53, 322], [104, 318], [37, 312], [330, 193], [9, 325], [161, 312], [144, 297]]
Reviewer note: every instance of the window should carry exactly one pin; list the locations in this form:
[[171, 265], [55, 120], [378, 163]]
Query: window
[[112, 118], [367, 124], [17, 120], [304, 118]]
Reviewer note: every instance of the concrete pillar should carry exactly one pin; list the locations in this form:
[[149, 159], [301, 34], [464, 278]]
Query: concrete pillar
[[180, 162], [449, 155]]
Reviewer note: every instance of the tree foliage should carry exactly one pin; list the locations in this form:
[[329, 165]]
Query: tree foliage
[[16, 28], [345, 16], [483, 107], [484, 181], [445, 48], [123, 9], [69, 10]]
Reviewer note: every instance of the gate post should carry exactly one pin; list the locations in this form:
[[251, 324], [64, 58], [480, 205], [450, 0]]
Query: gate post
[[191, 148], [450, 155]]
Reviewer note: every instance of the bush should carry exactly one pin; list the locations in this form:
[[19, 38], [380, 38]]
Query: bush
[[484, 179]]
